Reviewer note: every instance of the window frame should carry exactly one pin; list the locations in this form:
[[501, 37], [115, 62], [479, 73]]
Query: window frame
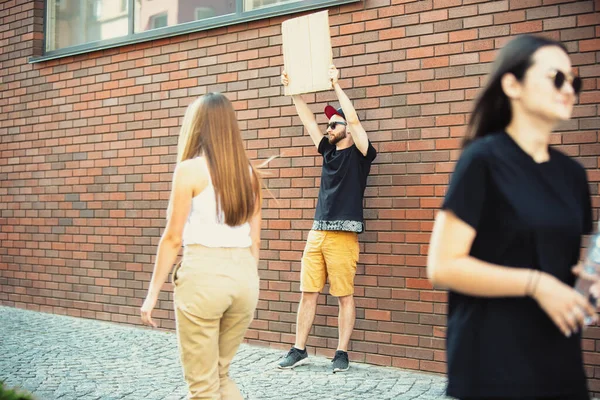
[[238, 17]]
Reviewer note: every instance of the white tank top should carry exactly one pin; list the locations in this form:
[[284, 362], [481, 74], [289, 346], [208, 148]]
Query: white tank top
[[205, 228]]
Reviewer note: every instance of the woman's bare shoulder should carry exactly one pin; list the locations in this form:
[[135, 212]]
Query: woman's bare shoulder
[[194, 172]]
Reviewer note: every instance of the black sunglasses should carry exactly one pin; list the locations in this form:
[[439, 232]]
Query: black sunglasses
[[560, 78], [334, 124]]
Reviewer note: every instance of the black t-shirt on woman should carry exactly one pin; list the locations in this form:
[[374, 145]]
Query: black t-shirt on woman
[[527, 215]]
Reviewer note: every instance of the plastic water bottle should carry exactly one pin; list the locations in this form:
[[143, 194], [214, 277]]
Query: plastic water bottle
[[590, 274]]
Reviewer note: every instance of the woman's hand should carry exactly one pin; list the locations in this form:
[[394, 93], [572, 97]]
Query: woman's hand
[[580, 272], [563, 304], [146, 310], [334, 74], [284, 79], [594, 290]]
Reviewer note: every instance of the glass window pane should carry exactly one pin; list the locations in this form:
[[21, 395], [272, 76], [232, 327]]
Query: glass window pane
[[75, 22], [256, 4], [153, 14]]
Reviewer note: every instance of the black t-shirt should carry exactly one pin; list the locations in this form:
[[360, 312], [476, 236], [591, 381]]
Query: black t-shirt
[[527, 215], [343, 182]]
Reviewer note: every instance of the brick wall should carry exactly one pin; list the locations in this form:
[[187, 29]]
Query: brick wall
[[88, 143]]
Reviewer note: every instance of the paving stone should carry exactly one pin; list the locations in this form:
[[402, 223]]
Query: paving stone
[[64, 358]]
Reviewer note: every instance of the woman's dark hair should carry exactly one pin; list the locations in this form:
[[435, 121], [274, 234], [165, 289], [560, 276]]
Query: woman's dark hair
[[492, 111]]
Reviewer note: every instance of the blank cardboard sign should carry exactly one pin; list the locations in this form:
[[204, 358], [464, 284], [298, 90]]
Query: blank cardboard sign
[[307, 53]]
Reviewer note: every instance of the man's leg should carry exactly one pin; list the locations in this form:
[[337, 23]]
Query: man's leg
[[346, 318], [306, 315], [341, 256], [312, 279], [304, 320]]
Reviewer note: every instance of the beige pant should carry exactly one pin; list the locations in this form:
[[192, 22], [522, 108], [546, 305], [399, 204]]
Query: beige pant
[[216, 292]]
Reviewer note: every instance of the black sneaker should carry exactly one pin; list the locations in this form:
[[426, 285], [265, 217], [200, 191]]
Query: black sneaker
[[340, 361], [294, 358]]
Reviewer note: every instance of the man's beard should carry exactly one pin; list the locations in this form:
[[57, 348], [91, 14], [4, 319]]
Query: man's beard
[[337, 137]]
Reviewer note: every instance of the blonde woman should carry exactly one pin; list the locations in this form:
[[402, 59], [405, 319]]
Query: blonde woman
[[214, 212]]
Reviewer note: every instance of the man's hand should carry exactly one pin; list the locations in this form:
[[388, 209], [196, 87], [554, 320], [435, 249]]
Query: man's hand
[[334, 74], [284, 79]]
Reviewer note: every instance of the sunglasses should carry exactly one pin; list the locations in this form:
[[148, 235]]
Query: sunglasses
[[334, 125], [560, 78]]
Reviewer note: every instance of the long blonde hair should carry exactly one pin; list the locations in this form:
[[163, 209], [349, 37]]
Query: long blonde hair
[[210, 128]]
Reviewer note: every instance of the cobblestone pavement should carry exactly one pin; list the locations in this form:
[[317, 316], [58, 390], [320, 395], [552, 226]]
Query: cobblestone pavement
[[66, 358]]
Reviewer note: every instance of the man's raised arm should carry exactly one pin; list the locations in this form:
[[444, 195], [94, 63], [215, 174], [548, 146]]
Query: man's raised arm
[[306, 116], [361, 140]]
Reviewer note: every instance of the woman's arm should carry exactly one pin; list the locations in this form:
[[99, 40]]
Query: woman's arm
[[171, 239], [449, 265], [255, 225]]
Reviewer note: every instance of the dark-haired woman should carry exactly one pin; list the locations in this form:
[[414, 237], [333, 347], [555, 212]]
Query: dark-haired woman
[[509, 233]]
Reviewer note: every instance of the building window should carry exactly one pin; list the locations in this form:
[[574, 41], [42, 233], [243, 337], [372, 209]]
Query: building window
[[157, 21], [255, 4], [77, 22], [149, 13], [78, 26], [204, 12]]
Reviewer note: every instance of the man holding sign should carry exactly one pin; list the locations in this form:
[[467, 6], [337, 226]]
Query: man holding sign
[[332, 246]]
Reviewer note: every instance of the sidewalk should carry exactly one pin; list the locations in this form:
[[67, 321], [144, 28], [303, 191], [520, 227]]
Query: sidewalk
[[58, 357]]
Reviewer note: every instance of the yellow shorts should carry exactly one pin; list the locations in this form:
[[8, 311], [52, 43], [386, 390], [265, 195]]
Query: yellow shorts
[[332, 254]]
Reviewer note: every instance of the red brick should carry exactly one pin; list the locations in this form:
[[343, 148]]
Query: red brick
[[393, 33], [442, 61], [461, 12], [446, 3], [577, 8], [391, 11], [542, 12], [519, 4], [379, 315], [589, 45], [560, 23], [432, 16], [493, 7], [352, 28], [378, 24], [463, 35], [420, 52], [445, 49], [589, 19], [509, 17], [407, 363], [479, 45], [482, 20], [526, 27], [418, 7]]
